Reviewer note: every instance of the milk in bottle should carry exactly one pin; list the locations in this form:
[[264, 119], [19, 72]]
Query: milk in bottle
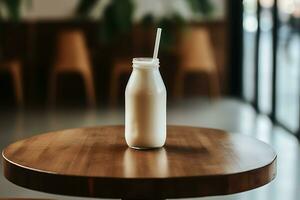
[[145, 105]]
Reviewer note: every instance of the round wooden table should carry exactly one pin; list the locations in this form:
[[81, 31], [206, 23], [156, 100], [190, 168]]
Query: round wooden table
[[96, 162]]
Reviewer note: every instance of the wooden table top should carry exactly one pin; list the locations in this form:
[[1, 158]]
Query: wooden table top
[[96, 162]]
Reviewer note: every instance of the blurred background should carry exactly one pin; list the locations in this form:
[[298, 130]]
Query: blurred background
[[43, 37], [233, 65]]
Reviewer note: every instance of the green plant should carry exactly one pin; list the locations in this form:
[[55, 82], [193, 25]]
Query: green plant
[[205, 7], [84, 7], [117, 17], [13, 8]]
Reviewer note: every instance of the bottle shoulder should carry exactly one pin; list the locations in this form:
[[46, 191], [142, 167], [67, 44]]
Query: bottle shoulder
[[145, 83]]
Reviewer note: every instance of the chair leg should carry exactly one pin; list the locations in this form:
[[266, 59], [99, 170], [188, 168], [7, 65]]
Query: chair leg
[[214, 85], [52, 88], [89, 88], [179, 84], [17, 81], [114, 90]]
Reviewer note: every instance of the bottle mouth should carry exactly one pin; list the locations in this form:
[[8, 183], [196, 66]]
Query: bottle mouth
[[145, 62]]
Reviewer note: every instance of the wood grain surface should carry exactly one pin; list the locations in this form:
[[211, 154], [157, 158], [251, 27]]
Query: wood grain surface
[[96, 162]]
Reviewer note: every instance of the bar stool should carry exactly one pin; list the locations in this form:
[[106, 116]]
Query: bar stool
[[72, 57], [120, 66], [141, 42], [15, 69], [196, 55]]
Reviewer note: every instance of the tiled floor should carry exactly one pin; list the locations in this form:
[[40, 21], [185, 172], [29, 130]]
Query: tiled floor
[[231, 115]]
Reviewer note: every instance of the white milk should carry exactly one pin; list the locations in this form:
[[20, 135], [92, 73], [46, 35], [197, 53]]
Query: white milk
[[145, 105]]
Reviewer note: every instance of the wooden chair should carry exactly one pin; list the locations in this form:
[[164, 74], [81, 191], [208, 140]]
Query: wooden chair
[[120, 66], [73, 57], [196, 55], [15, 70], [141, 42]]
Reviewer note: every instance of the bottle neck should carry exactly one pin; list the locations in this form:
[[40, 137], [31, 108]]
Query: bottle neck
[[145, 63], [147, 67]]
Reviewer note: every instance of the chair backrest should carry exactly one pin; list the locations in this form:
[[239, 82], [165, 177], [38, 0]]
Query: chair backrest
[[72, 51], [196, 50]]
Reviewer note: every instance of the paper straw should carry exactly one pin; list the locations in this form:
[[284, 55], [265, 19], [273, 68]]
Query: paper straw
[[157, 40]]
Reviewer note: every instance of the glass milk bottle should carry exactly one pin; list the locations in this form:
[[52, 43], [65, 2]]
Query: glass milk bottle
[[145, 105]]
